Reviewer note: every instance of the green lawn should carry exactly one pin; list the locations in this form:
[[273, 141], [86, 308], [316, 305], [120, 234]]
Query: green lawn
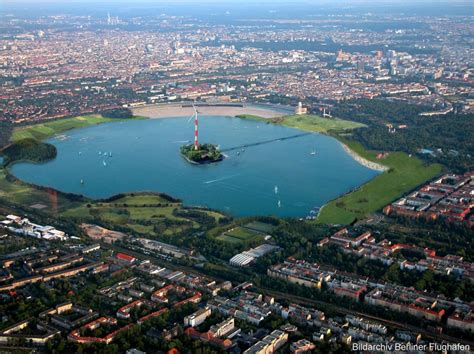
[[139, 213], [142, 199], [240, 234], [314, 123], [16, 192], [405, 174], [252, 117], [45, 130], [308, 122], [260, 226]]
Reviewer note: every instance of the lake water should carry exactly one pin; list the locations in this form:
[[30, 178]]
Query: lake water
[[282, 178]]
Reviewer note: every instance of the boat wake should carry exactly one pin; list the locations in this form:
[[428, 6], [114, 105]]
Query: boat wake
[[220, 179]]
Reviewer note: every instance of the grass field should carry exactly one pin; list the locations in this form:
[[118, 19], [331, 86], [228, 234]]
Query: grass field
[[260, 226], [252, 117], [45, 130], [139, 213], [405, 174], [15, 192], [308, 122], [314, 123], [241, 234]]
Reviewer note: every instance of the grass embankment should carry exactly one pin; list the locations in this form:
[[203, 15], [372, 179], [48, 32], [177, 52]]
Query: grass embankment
[[14, 192], [252, 117], [46, 130], [311, 123], [405, 173], [148, 214], [317, 124]]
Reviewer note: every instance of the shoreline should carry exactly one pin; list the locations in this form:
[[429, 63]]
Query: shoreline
[[161, 111], [363, 161]]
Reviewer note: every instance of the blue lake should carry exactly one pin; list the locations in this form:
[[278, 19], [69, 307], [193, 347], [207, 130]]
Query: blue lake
[[284, 177]]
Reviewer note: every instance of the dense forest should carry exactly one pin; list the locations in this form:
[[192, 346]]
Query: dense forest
[[445, 139], [119, 113], [29, 150], [6, 130]]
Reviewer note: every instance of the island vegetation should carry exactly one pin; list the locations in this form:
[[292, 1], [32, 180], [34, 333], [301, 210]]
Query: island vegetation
[[206, 153]]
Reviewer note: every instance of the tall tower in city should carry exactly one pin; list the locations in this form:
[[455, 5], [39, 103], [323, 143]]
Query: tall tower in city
[[109, 19]]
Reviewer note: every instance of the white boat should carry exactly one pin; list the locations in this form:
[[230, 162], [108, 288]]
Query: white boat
[[313, 152], [279, 204], [82, 181], [105, 163], [276, 189]]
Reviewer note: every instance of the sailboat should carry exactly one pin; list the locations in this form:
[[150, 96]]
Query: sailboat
[[276, 189], [105, 163], [279, 204], [313, 152], [82, 181]]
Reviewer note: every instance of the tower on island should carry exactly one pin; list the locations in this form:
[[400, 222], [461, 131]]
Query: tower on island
[[200, 153]]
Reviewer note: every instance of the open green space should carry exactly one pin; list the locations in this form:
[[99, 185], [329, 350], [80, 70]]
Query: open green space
[[314, 123], [19, 193], [147, 214], [260, 226], [240, 234], [142, 212], [405, 173], [251, 116], [309, 122], [46, 130]]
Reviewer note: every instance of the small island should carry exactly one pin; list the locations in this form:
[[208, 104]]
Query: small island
[[199, 154], [205, 153]]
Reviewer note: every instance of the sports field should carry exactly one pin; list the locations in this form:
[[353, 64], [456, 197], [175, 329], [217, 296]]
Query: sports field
[[250, 232]]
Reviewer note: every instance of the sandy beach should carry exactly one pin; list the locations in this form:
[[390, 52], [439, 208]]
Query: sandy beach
[[364, 162], [177, 110]]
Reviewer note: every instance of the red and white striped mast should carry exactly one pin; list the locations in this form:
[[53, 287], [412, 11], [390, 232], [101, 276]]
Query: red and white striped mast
[[196, 129]]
